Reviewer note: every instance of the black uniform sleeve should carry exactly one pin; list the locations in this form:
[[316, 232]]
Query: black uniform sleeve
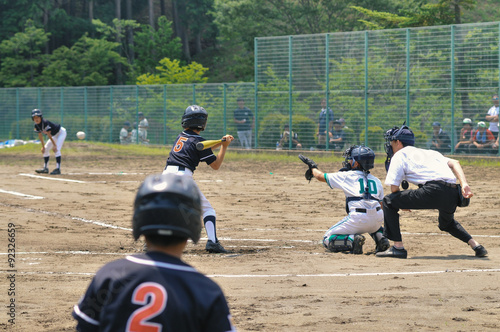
[[219, 318], [87, 311]]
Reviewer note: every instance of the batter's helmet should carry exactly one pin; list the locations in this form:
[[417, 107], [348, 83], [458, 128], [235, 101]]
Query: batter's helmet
[[167, 205], [362, 154], [194, 117], [36, 112]]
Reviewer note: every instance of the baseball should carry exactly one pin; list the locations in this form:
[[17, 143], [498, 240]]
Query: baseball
[[80, 135]]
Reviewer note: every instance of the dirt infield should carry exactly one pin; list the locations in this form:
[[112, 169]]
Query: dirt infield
[[277, 278]]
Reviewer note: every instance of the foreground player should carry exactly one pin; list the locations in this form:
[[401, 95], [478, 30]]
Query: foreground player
[[157, 291], [363, 193], [184, 158], [436, 177], [56, 134]]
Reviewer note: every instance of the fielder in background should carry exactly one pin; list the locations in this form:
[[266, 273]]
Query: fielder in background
[[56, 135], [363, 193], [436, 177], [125, 135], [143, 129], [184, 158], [157, 291], [492, 116]]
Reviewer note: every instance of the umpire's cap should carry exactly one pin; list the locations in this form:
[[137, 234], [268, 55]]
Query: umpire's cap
[[167, 205], [403, 134]]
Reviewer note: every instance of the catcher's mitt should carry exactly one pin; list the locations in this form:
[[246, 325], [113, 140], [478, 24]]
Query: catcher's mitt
[[309, 162]]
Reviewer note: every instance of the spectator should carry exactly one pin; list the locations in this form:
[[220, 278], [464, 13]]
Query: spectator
[[465, 138], [342, 122], [133, 133], [482, 140], [143, 129], [284, 139], [492, 116], [440, 139], [337, 136], [125, 135], [243, 117], [322, 127]]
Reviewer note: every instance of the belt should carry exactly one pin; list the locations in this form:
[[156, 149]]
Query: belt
[[180, 168], [364, 210], [444, 183]]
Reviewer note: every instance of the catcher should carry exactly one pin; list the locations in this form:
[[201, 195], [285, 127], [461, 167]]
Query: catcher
[[363, 193]]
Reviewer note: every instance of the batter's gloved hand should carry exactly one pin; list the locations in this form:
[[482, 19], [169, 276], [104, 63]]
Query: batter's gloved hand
[[309, 162]]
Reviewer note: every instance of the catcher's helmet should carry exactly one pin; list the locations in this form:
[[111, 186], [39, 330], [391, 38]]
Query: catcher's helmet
[[194, 117], [362, 154], [167, 205], [36, 112]]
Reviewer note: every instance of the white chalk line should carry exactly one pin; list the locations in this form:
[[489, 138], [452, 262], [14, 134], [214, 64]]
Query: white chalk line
[[285, 275], [20, 194], [51, 178]]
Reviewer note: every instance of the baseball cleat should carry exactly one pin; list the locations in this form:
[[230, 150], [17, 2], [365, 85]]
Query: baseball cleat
[[382, 245], [393, 252], [44, 170], [480, 251], [215, 247], [357, 244], [56, 171]]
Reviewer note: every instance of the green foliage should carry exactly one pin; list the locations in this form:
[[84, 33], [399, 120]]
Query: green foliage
[[375, 138], [89, 62], [152, 45], [171, 72], [21, 56]]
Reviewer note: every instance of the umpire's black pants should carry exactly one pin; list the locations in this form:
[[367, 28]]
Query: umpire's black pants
[[432, 195]]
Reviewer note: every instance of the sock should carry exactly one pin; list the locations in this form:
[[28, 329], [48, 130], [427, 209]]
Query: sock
[[58, 162], [209, 222], [46, 162]]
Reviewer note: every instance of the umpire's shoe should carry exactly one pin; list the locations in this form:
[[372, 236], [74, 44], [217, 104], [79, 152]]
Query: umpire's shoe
[[215, 247], [480, 251], [393, 252], [357, 244], [44, 170], [56, 171]]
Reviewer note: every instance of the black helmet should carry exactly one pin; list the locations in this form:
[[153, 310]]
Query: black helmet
[[36, 112], [194, 117], [362, 154], [167, 205]]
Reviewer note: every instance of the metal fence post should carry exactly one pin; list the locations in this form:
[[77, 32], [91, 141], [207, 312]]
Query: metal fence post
[[111, 114], [164, 114], [62, 106], [85, 108], [224, 106], [256, 93], [17, 114], [290, 90], [408, 77], [327, 89], [366, 88], [452, 56]]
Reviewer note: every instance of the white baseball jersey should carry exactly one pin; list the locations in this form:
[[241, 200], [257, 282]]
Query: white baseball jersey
[[365, 215], [493, 125], [418, 166]]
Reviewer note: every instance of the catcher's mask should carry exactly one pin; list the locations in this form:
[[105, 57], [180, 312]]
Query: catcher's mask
[[362, 154], [403, 134], [194, 117], [167, 205]]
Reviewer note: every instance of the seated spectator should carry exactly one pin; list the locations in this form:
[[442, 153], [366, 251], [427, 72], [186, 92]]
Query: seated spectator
[[482, 140], [125, 135], [284, 139], [440, 139], [337, 136], [465, 137], [133, 133]]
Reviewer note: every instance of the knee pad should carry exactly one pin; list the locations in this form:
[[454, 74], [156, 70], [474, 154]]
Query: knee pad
[[338, 243]]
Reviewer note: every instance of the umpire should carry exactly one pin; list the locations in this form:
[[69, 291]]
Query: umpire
[[436, 177]]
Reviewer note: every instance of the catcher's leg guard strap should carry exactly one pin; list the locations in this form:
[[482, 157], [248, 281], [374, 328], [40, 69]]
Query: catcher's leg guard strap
[[337, 243]]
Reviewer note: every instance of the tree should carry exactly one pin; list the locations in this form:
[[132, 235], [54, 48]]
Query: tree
[[151, 45], [88, 62], [22, 58], [171, 72]]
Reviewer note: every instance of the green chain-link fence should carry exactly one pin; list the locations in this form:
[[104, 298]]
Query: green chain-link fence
[[373, 80]]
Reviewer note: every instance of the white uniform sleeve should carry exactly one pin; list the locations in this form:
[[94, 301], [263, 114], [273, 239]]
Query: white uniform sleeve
[[395, 174]]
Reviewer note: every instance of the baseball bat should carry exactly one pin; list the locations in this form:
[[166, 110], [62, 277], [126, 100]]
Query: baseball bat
[[208, 144]]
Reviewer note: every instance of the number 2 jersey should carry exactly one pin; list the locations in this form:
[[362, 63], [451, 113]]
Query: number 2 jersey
[[152, 292], [184, 152]]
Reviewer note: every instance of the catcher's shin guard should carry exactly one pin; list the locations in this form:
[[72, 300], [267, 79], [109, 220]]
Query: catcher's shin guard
[[338, 243]]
